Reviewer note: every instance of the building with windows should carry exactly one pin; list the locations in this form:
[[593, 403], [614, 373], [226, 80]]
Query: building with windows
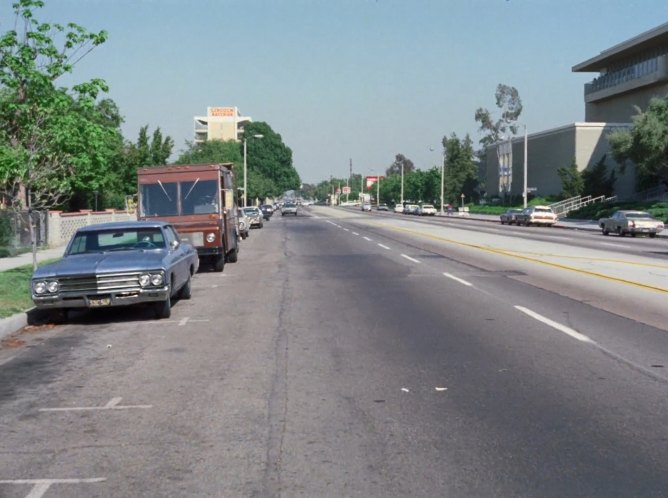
[[220, 123], [630, 74]]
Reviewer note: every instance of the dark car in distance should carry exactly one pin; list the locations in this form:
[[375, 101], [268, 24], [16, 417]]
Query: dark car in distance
[[267, 211], [118, 264]]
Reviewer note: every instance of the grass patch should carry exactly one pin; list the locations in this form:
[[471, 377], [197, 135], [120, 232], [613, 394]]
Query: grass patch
[[15, 289]]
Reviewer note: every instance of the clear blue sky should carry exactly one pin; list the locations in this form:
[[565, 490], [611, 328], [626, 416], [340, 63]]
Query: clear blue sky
[[347, 79]]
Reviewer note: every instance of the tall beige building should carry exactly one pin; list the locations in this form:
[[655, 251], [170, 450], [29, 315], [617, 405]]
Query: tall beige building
[[629, 75], [220, 123]]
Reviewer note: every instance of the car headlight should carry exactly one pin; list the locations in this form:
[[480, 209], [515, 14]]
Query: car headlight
[[210, 237], [45, 286], [39, 287], [157, 279], [144, 279]]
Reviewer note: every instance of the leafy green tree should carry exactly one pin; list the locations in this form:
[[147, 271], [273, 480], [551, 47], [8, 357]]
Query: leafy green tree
[[509, 102], [597, 181], [47, 134], [269, 163], [461, 170], [399, 161], [572, 183], [646, 144]]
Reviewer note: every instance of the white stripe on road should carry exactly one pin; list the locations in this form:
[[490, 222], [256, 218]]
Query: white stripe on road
[[41, 486], [409, 258], [383, 246], [562, 328], [367, 238], [457, 279], [355, 233], [347, 230]]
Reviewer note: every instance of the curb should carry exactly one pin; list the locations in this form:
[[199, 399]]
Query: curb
[[12, 324]]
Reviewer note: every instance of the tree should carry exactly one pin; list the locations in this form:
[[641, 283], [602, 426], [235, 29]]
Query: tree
[[461, 171], [509, 102], [269, 163], [646, 144], [597, 180], [396, 167], [47, 132], [572, 183]]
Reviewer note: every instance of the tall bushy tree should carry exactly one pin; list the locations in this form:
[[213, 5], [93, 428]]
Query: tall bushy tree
[[269, 163], [399, 161], [572, 183], [495, 130], [461, 171], [597, 181], [47, 133], [646, 144]]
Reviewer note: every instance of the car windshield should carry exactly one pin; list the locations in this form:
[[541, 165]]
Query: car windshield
[[638, 216], [543, 210], [117, 240], [195, 196], [427, 206]]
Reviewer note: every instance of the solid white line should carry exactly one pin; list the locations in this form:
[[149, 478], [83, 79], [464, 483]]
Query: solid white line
[[355, 233], [53, 481], [562, 328], [457, 279], [383, 246], [409, 258], [367, 238]]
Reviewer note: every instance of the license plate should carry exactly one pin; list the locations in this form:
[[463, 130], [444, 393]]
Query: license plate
[[99, 301]]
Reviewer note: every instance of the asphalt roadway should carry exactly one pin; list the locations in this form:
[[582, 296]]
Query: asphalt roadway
[[16, 322], [358, 355]]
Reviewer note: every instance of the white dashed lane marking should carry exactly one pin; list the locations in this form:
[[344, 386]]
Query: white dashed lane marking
[[409, 258], [457, 279]]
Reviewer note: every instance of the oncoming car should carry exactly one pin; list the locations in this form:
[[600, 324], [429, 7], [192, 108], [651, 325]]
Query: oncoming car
[[118, 264], [289, 208]]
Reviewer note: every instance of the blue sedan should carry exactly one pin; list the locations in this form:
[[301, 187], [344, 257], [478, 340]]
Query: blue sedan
[[118, 264]]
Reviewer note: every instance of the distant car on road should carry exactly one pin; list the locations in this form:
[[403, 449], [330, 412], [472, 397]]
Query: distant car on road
[[118, 264], [399, 208], [243, 223], [289, 208], [631, 222], [366, 207], [427, 210], [267, 211], [255, 216], [411, 209], [382, 207], [536, 215], [510, 216]]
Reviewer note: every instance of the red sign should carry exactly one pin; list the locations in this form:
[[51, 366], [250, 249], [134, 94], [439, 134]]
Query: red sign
[[371, 180]]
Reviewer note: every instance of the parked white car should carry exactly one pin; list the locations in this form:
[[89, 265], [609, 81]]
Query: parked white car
[[536, 215], [427, 210]]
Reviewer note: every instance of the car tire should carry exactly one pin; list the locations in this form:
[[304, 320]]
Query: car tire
[[620, 232], [186, 290], [503, 222], [163, 309], [219, 263], [233, 257], [605, 231], [652, 235]]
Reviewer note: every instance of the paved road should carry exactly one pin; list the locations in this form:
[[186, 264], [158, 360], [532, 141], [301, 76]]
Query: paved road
[[347, 355]]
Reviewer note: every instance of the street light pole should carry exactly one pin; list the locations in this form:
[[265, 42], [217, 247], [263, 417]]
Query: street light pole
[[245, 173], [524, 192], [402, 183], [442, 177]]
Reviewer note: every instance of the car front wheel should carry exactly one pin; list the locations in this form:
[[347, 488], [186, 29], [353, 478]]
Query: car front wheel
[[163, 309], [186, 290]]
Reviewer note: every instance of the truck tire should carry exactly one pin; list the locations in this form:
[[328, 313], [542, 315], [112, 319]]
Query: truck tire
[[219, 263]]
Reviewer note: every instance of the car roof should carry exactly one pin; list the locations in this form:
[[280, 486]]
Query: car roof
[[123, 225]]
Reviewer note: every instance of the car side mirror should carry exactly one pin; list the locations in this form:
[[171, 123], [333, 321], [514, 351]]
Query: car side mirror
[[174, 244]]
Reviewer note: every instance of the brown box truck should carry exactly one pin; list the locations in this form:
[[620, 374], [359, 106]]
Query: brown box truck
[[199, 200]]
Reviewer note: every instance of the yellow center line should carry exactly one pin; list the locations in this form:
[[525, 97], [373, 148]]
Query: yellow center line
[[522, 256]]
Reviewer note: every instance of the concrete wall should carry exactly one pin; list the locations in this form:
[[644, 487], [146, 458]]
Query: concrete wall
[[557, 148], [61, 226]]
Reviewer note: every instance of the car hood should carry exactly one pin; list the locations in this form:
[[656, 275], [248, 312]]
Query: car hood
[[104, 262]]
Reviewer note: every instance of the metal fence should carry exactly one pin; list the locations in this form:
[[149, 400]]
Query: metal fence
[[15, 231]]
